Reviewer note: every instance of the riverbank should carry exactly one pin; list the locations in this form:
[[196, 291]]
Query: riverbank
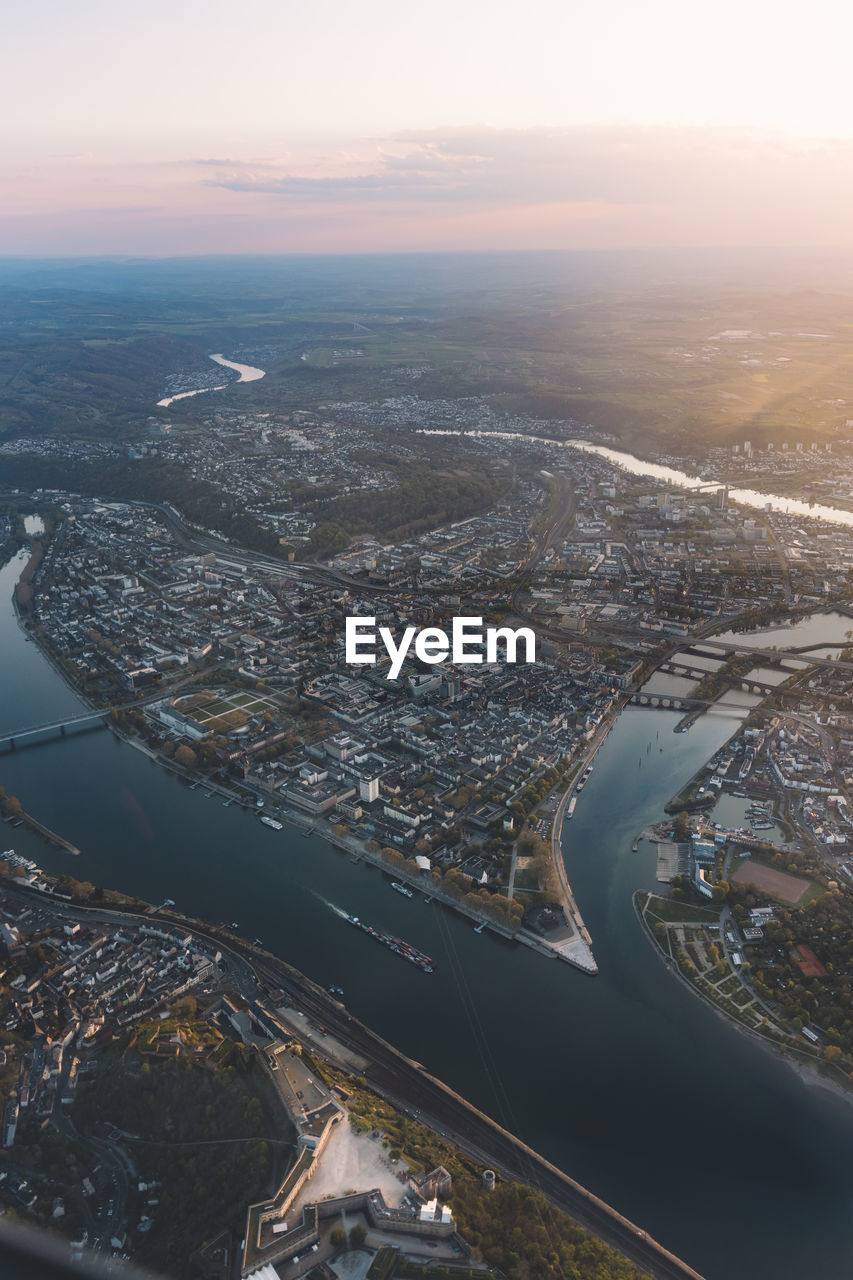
[[578, 955], [811, 1068], [578, 948]]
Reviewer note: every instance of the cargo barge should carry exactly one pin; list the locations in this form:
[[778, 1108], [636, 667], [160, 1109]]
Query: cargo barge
[[397, 945]]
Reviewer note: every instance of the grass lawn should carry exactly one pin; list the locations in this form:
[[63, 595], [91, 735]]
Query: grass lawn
[[225, 712], [671, 911]]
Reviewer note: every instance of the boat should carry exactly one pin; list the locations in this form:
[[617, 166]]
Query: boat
[[271, 822], [401, 888], [397, 945], [571, 809]]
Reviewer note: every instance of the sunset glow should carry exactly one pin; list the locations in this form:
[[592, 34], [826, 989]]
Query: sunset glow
[[200, 128]]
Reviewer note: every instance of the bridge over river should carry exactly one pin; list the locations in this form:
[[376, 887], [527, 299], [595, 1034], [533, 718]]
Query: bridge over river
[[37, 734], [747, 683]]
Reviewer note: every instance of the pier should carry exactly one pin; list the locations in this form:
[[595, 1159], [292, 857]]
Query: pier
[[52, 837]]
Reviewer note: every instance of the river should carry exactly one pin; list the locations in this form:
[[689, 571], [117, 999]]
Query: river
[[247, 372], [669, 475], [626, 1080]]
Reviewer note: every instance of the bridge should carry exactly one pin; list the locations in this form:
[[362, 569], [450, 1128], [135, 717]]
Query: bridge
[[669, 702], [677, 702], [747, 684], [802, 652], [52, 729], [81, 721]]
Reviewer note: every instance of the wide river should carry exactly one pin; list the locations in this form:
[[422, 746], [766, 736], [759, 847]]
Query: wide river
[[626, 1080]]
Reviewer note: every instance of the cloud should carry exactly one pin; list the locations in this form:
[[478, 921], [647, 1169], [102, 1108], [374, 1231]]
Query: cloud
[[471, 187], [619, 165], [651, 185]]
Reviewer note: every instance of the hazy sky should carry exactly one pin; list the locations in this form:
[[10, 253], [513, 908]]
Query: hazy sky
[[181, 126]]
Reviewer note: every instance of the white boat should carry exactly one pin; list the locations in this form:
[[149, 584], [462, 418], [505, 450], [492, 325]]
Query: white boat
[[401, 888], [271, 822]]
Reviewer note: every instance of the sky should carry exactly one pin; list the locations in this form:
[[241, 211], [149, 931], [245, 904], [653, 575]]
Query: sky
[[196, 126]]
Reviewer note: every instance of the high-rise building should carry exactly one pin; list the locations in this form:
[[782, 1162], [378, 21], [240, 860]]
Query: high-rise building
[[368, 789]]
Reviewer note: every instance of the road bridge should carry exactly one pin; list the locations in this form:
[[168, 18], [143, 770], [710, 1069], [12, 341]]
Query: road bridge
[[52, 729]]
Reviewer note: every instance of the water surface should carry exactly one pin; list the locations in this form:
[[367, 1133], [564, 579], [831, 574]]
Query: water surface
[[626, 1080], [247, 373]]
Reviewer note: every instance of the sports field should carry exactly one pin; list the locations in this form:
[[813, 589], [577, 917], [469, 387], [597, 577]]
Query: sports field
[[779, 884]]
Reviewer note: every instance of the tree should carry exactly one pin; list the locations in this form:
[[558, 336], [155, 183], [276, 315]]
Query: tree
[[11, 805], [338, 1238], [186, 756], [357, 1236], [682, 825]]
